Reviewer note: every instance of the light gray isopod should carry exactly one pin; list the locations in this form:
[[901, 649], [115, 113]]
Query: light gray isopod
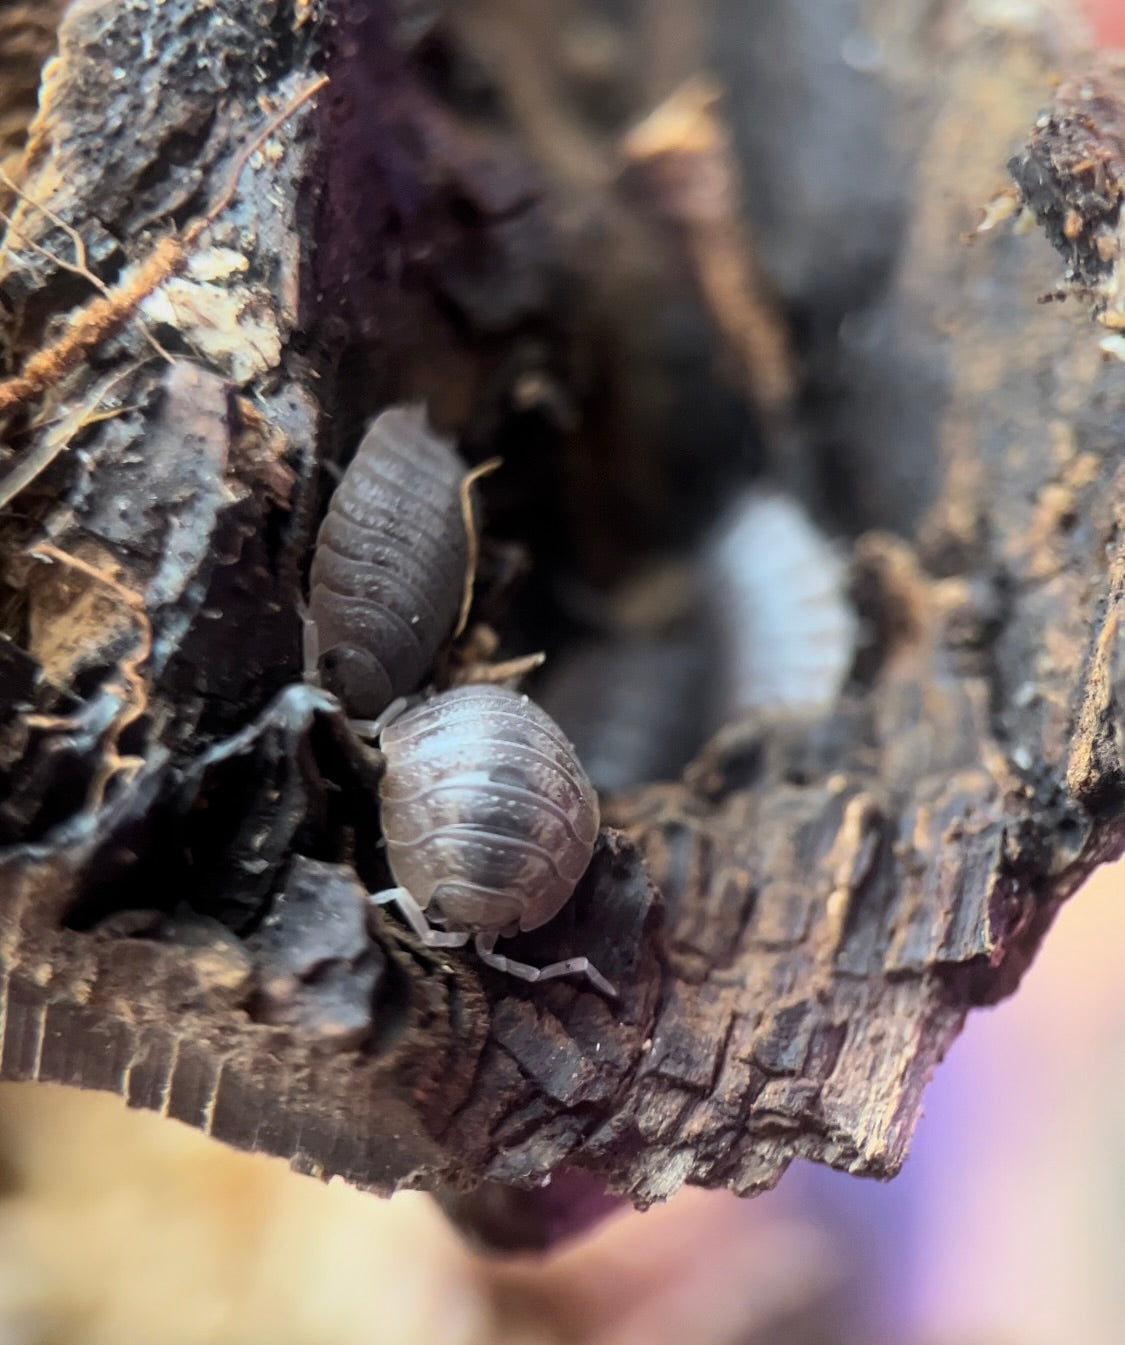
[[489, 820], [775, 588], [388, 573]]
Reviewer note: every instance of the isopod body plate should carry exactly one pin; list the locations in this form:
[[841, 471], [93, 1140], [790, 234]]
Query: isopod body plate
[[388, 573], [489, 818]]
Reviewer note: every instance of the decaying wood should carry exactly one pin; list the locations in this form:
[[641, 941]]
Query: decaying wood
[[682, 156], [798, 929], [92, 325]]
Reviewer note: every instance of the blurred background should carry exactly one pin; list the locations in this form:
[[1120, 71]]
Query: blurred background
[[1006, 1227], [1108, 17]]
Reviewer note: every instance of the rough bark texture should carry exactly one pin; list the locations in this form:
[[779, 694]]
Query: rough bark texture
[[799, 928]]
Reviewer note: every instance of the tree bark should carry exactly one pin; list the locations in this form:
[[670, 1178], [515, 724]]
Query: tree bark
[[798, 928]]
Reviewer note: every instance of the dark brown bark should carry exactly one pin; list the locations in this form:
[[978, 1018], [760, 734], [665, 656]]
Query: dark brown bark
[[799, 928]]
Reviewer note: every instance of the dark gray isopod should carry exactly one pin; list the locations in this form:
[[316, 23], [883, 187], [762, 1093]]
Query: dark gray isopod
[[633, 705], [388, 573], [489, 820]]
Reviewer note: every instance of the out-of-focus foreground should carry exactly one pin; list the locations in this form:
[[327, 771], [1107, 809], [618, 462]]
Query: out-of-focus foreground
[[1005, 1225]]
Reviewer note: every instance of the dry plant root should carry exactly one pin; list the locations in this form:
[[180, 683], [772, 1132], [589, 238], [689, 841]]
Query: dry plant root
[[484, 469], [472, 660], [134, 690], [497, 674], [62, 433], [683, 155], [99, 319]]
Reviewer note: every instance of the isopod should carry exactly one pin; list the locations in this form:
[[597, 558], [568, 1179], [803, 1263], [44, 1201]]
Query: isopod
[[775, 588], [633, 704], [489, 821], [389, 570]]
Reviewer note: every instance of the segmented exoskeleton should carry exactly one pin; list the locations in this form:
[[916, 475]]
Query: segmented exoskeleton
[[389, 571], [489, 820]]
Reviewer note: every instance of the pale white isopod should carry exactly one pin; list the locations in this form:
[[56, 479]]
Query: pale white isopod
[[775, 589]]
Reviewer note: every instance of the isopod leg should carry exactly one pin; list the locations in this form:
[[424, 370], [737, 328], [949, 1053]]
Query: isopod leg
[[369, 729], [415, 917], [485, 945], [310, 644]]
